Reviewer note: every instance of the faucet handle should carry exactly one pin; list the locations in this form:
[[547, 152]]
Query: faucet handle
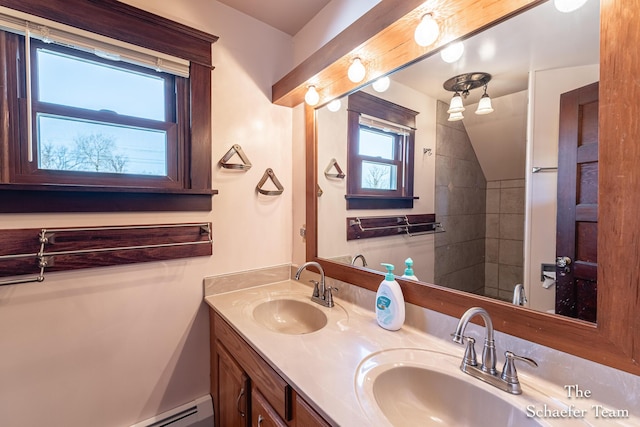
[[509, 373], [470, 357], [316, 291], [329, 295]]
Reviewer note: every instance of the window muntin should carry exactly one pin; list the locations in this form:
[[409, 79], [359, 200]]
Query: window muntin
[[98, 116]]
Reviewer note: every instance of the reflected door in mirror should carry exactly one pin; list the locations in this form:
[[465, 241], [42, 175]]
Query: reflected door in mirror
[[577, 224]]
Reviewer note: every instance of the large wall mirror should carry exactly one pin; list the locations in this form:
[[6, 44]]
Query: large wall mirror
[[612, 337], [490, 179]]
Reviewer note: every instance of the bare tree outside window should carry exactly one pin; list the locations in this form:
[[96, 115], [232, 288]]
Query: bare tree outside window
[[376, 177], [91, 152]]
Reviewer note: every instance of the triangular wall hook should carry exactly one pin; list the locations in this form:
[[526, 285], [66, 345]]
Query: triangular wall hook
[[270, 174], [334, 164], [235, 149]]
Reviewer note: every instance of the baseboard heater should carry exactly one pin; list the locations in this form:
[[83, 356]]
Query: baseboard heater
[[197, 413]]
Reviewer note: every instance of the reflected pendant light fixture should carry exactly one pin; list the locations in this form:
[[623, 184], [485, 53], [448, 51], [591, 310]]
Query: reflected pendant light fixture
[[427, 31], [456, 105], [568, 5], [356, 71], [484, 106], [454, 117], [461, 85], [312, 97]]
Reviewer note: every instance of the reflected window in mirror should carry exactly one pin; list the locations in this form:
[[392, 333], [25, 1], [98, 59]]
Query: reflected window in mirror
[[381, 139]]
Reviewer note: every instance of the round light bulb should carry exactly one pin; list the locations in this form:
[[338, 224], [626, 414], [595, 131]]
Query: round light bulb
[[356, 71], [427, 31], [568, 5], [381, 84], [334, 105], [452, 53], [312, 97]]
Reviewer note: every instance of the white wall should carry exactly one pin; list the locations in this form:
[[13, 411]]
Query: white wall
[[332, 212], [500, 138], [540, 210], [113, 346]]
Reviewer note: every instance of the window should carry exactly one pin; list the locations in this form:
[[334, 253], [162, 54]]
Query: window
[[97, 119], [380, 161], [90, 130]]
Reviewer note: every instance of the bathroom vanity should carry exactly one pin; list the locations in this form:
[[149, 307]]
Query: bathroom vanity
[[279, 359]]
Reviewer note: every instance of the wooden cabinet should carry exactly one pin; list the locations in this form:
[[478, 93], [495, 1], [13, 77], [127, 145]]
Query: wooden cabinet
[[246, 391], [233, 391]]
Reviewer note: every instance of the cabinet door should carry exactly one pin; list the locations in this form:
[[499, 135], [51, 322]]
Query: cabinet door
[[233, 390], [262, 414], [306, 416]]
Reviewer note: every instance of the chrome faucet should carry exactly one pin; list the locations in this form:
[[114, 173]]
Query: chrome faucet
[[508, 379], [321, 293], [489, 350], [519, 297], [360, 256]]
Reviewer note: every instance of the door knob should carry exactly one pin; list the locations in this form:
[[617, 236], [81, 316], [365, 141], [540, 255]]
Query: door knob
[[562, 262]]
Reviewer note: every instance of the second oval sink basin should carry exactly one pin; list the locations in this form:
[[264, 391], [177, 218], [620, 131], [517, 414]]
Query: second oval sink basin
[[289, 316], [415, 387], [410, 395]]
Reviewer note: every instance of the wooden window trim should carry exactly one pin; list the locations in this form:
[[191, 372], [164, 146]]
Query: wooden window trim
[[136, 26], [357, 198]]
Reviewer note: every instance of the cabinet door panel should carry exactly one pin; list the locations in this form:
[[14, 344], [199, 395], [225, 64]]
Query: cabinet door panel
[[233, 390], [306, 416], [262, 414]]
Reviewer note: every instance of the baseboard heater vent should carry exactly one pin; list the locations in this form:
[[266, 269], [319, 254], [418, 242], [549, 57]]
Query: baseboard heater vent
[[198, 413]]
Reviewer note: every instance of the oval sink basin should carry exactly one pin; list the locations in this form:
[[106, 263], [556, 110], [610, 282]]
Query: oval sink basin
[[410, 395], [415, 387], [289, 316]]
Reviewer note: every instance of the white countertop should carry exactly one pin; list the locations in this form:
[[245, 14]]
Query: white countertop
[[322, 366]]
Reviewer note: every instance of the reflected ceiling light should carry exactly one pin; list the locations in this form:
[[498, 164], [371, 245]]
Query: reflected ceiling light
[[356, 71], [568, 5], [484, 106], [334, 105], [456, 105], [452, 53], [312, 97], [454, 117], [427, 31], [461, 85], [381, 84]]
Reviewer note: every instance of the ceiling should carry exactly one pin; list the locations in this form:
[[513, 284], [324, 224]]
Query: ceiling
[[539, 39], [288, 16]]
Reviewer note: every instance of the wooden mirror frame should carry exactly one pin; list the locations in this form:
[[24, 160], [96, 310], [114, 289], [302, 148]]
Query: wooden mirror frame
[[388, 28]]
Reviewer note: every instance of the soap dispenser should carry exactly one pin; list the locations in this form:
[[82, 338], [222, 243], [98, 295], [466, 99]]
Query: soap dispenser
[[390, 302], [408, 271]]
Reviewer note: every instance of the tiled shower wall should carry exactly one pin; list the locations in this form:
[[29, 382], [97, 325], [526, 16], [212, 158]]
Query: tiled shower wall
[[505, 237], [460, 206]]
